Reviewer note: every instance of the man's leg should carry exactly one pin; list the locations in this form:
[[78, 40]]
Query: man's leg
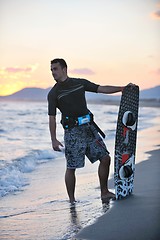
[[103, 172], [70, 181]]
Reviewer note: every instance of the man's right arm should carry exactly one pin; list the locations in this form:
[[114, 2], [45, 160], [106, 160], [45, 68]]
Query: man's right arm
[[52, 128]]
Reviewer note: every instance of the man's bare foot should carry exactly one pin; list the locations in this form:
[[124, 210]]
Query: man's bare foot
[[72, 201], [108, 195]]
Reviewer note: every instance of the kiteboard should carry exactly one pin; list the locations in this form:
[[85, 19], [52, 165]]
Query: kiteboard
[[125, 142]]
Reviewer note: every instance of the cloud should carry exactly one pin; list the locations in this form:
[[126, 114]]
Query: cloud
[[151, 56], [17, 69], [82, 71], [15, 78], [26, 69], [156, 15], [17, 72], [156, 71]]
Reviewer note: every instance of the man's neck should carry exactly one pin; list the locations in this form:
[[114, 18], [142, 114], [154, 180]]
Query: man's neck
[[63, 80]]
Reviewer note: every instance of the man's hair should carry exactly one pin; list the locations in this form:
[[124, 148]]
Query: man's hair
[[61, 61]]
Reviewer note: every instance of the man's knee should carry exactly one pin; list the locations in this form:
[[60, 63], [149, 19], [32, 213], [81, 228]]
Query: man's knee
[[70, 171], [106, 160]]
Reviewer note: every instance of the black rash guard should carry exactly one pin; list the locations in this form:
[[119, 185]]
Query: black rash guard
[[69, 97]]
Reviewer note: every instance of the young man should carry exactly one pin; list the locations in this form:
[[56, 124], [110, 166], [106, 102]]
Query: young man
[[81, 135]]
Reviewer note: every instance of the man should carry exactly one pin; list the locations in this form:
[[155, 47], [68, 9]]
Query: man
[[81, 135]]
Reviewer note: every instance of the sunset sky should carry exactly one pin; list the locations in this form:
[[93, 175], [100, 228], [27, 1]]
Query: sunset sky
[[110, 42]]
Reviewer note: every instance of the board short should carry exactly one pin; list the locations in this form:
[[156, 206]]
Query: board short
[[81, 141]]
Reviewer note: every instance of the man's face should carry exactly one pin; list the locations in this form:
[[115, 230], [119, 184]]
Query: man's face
[[58, 73]]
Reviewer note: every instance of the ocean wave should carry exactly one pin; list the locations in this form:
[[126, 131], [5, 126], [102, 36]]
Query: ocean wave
[[2, 130], [13, 174]]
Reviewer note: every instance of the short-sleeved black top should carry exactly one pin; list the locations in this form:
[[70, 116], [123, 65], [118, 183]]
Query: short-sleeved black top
[[69, 97]]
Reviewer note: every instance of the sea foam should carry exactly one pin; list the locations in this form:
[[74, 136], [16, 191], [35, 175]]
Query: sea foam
[[13, 174]]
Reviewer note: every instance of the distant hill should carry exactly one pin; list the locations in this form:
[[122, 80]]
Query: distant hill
[[40, 94], [151, 93], [28, 94]]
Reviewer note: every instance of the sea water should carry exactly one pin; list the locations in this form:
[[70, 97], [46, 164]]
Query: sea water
[[33, 199]]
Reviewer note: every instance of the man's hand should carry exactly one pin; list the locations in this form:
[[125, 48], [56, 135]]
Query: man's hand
[[56, 145], [131, 85]]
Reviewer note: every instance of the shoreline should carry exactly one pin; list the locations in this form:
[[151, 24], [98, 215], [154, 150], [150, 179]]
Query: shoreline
[[135, 217], [142, 102]]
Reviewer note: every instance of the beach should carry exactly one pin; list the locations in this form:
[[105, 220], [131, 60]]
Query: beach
[[138, 216], [34, 203]]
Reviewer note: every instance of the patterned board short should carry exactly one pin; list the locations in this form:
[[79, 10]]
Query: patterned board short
[[80, 141]]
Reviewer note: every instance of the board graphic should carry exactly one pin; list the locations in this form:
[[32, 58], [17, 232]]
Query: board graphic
[[125, 142]]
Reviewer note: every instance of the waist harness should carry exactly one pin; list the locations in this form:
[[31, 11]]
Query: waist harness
[[70, 122]]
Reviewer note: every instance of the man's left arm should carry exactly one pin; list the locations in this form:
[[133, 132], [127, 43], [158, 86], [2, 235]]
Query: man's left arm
[[113, 89], [110, 89]]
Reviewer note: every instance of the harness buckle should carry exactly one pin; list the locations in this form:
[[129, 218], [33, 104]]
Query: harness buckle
[[70, 122], [84, 119]]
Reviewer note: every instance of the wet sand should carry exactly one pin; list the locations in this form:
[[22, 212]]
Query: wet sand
[[138, 216]]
